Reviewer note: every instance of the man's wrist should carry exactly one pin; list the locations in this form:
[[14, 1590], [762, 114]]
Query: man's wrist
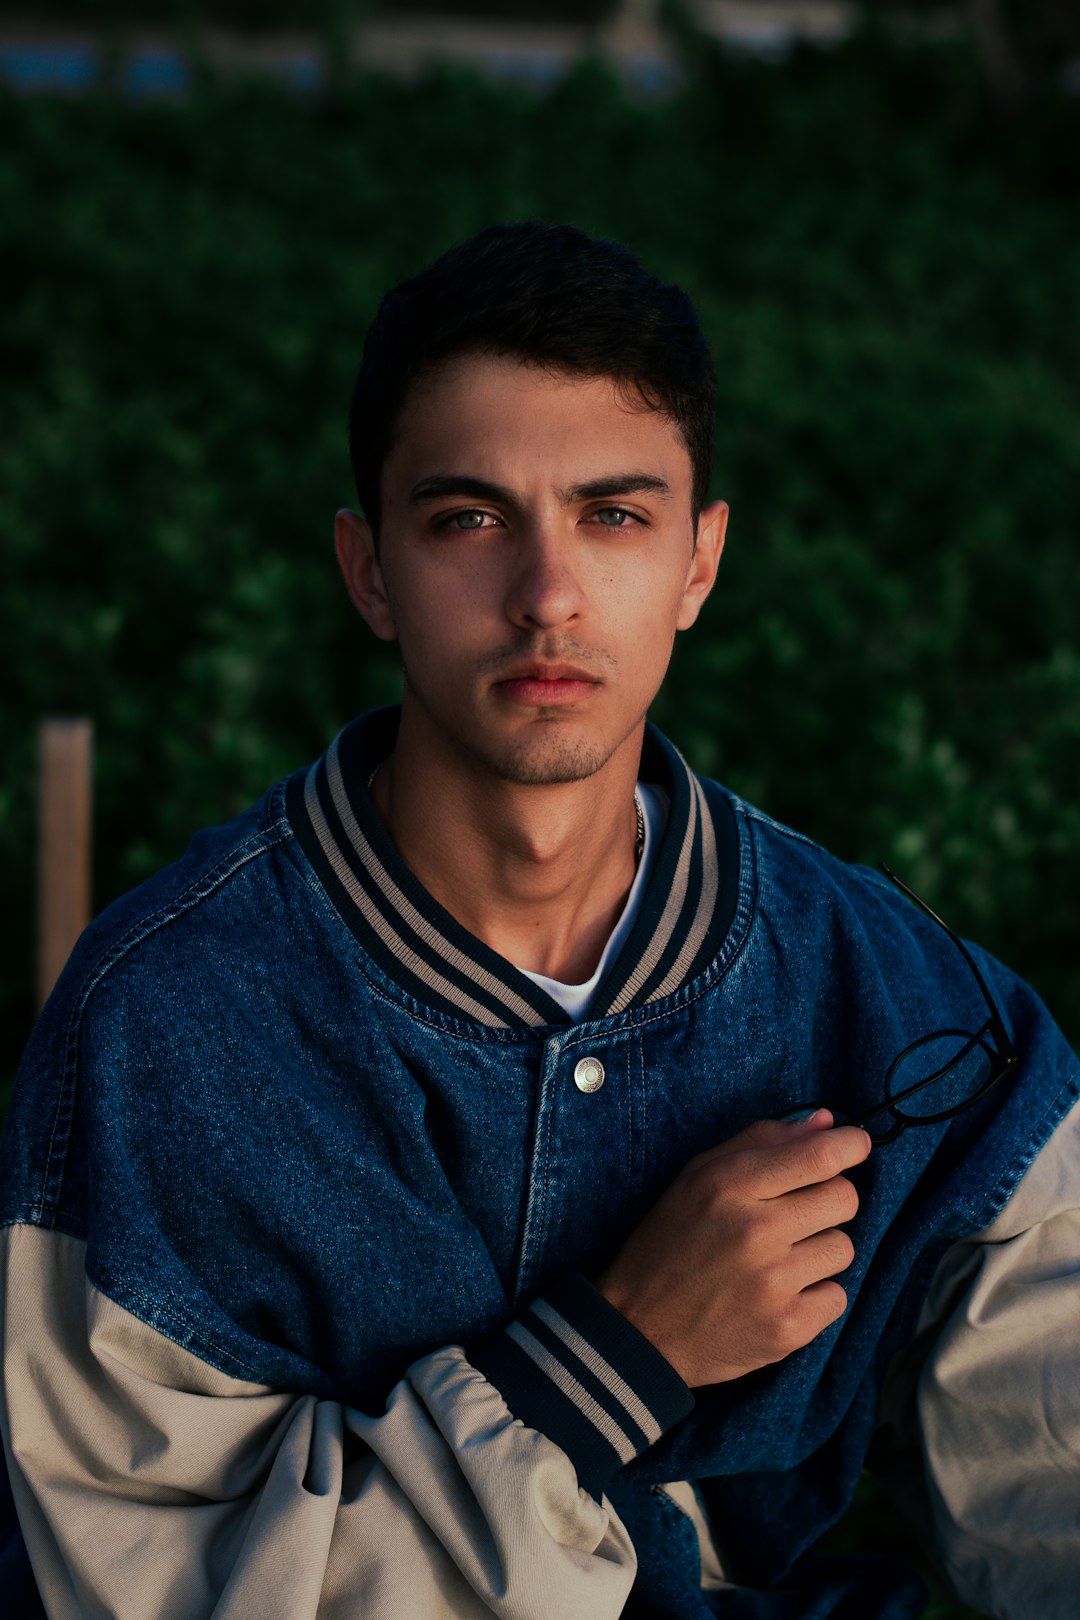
[[574, 1368]]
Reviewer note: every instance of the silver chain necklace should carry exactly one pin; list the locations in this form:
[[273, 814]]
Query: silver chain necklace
[[639, 847]]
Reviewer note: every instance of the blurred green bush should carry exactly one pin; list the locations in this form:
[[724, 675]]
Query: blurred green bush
[[891, 659]]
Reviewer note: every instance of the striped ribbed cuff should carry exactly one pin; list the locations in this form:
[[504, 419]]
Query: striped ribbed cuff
[[574, 1368]]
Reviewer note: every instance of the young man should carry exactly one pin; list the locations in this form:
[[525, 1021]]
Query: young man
[[431, 1196]]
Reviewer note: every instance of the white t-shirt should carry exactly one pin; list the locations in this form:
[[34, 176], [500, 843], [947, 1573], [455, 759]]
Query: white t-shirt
[[574, 998]]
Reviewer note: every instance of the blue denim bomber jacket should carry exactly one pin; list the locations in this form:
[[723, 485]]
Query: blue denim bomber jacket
[[311, 1129]]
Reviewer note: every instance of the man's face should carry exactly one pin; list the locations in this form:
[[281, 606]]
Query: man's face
[[537, 557]]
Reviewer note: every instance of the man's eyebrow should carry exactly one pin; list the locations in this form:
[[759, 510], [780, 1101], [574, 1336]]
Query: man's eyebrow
[[440, 486], [628, 483]]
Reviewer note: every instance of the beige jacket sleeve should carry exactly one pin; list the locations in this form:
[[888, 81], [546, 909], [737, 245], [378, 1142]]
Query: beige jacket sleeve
[[982, 1413], [151, 1486]]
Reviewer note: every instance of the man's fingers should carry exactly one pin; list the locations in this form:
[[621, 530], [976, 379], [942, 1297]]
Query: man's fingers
[[815, 1157], [734, 1266], [767, 1133], [813, 1209], [821, 1256], [809, 1313], [778, 1156], [823, 1303]]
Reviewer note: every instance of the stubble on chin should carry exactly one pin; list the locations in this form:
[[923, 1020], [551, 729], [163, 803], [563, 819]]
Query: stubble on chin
[[546, 761]]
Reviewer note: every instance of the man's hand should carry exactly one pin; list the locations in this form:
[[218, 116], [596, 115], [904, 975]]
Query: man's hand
[[730, 1268]]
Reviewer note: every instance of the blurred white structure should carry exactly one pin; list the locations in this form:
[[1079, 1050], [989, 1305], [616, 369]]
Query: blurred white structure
[[35, 57]]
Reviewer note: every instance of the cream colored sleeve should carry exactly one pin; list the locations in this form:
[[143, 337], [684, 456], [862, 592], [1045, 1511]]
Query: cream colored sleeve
[[151, 1485], [990, 1395]]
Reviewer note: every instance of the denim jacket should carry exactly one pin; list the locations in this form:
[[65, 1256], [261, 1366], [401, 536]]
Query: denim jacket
[[288, 1135]]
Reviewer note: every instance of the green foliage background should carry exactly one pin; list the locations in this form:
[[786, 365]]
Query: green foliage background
[[891, 660], [890, 280]]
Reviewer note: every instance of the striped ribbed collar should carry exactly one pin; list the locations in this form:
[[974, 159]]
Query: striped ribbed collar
[[685, 914]]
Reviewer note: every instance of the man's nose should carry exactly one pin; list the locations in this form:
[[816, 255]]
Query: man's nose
[[545, 589]]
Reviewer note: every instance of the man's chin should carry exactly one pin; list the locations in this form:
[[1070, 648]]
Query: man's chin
[[546, 761]]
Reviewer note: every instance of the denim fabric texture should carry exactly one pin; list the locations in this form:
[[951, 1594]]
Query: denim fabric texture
[[285, 1159]]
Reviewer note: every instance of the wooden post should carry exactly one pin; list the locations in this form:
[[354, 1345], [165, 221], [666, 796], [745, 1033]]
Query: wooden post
[[64, 800]]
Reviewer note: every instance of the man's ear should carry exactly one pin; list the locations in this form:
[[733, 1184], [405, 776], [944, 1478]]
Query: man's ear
[[355, 547], [711, 529]]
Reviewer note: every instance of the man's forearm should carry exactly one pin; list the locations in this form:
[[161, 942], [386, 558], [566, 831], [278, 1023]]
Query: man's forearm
[[151, 1484]]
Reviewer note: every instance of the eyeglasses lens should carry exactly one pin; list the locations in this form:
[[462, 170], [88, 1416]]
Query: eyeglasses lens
[[948, 1069]]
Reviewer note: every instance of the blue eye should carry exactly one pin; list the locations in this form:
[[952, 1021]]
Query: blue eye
[[468, 520], [618, 512]]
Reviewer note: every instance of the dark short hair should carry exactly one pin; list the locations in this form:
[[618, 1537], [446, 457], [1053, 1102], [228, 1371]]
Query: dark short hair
[[545, 294]]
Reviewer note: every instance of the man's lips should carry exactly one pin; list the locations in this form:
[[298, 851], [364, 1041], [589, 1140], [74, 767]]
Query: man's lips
[[542, 685]]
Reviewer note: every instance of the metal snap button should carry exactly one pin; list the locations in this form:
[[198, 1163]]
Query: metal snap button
[[588, 1074]]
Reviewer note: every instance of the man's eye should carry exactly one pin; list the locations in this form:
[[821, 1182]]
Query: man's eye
[[612, 517], [465, 520]]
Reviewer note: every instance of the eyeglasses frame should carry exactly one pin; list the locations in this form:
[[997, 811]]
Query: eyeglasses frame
[[1003, 1060]]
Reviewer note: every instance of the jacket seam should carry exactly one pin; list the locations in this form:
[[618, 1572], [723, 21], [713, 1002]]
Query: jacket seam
[[190, 1338], [752, 813], [534, 1222], [413, 1010], [199, 889], [1038, 1136], [107, 1281]]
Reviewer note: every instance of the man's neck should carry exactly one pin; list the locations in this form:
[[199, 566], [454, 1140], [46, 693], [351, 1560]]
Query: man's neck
[[539, 873]]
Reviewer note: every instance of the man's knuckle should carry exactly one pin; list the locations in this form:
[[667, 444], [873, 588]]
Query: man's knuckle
[[847, 1199], [738, 1167], [756, 1223], [821, 1157], [771, 1286], [715, 1193], [792, 1328], [833, 1301]]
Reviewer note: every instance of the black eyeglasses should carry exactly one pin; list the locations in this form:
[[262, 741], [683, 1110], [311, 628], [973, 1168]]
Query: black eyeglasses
[[941, 1074]]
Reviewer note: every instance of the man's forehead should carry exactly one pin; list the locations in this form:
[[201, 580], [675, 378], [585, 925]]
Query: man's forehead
[[475, 413]]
